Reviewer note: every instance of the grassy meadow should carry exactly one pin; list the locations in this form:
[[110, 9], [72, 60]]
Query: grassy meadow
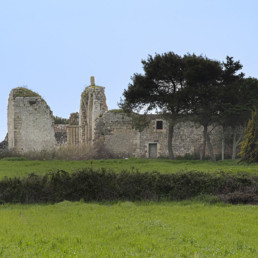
[[18, 167], [126, 229]]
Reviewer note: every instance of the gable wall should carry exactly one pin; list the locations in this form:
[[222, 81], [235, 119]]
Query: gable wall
[[30, 124]]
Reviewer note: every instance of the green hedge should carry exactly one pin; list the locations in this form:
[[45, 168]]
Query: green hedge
[[106, 185]]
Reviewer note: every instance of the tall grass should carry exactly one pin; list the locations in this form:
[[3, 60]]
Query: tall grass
[[126, 229], [21, 167]]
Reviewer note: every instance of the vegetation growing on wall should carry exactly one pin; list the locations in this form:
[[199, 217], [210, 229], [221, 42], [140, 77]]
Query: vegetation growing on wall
[[60, 120], [24, 92], [116, 111], [74, 118]]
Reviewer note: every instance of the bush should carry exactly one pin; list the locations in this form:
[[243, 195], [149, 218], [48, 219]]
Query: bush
[[249, 145], [106, 185]]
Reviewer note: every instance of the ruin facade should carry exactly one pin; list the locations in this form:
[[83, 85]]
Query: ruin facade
[[114, 131], [92, 106], [30, 122], [31, 128]]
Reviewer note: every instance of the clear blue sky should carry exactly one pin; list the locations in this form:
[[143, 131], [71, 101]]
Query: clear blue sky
[[54, 46]]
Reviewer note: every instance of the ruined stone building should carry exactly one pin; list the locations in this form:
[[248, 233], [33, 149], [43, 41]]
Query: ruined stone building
[[30, 122], [31, 128]]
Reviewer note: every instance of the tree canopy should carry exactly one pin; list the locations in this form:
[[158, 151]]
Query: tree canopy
[[159, 89], [192, 87]]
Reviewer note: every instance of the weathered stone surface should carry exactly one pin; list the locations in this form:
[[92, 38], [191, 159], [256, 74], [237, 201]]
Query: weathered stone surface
[[30, 122], [4, 144], [92, 81], [113, 130], [93, 104], [72, 134], [74, 119], [60, 133], [31, 128]]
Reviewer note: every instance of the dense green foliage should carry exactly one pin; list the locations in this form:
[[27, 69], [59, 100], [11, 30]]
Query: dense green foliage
[[103, 185], [193, 88], [249, 146], [60, 120], [126, 229]]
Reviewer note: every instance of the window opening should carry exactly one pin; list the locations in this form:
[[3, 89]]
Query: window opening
[[159, 125]]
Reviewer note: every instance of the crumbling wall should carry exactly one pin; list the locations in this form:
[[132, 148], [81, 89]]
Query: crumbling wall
[[61, 133], [4, 144], [30, 122], [74, 119], [92, 105], [72, 134], [114, 130]]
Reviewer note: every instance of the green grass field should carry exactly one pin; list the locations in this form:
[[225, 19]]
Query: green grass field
[[186, 229], [126, 229], [12, 167]]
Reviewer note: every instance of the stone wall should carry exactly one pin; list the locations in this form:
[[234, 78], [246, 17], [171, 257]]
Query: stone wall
[[92, 105], [4, 144], [72, 134], [74, 118], [60, 133], [31, 128], [114, 131], [30, 122]]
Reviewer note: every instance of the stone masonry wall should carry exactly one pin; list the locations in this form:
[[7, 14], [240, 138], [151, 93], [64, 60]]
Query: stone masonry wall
[[31, 128], [93, 104], [30, 124], [4, 144], [60, 133], [115, 133], [72, 134]]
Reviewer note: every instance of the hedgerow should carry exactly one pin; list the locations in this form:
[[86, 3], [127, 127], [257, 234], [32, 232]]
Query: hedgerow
[[106, 185]]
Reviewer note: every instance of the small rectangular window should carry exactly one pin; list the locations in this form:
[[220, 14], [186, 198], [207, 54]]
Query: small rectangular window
[[159, 125]]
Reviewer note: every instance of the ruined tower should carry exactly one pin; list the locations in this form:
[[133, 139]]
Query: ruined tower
[[30, 122], [93, 104]]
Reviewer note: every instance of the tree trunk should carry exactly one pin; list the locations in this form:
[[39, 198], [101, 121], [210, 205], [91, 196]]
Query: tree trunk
[[234, 144], [212, 156], [223, 144], [170, 139], [202, 156]]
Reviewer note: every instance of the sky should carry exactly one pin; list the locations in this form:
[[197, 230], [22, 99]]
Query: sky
[[53, 46]]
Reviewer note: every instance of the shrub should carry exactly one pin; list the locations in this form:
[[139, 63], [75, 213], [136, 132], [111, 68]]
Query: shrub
[[106, 185], [249, 145]]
